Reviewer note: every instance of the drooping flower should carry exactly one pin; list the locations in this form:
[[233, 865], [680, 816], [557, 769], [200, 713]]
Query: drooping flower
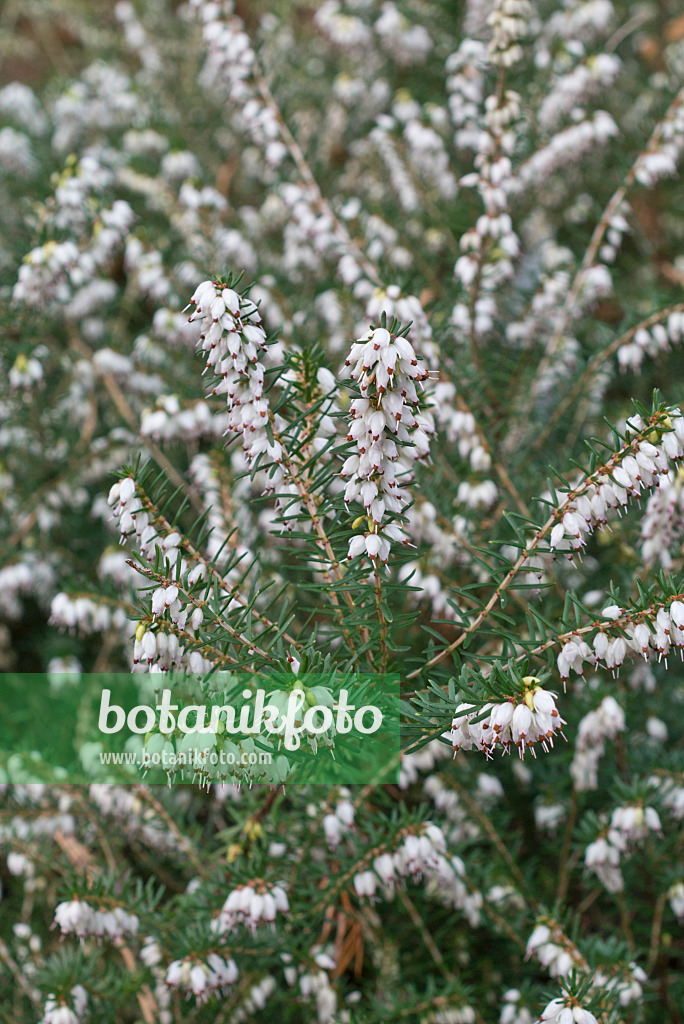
[[390, 432]]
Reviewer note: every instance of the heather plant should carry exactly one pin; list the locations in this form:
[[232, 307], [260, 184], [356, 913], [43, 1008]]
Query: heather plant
[[343, 338]]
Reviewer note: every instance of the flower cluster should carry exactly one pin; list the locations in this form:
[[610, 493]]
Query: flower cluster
[[160, 644], [553, 950], [662, 527], [569, 144], [627, 984], [421, 856], [26, 373], [572, 88], [230, 69], [670, 789], [77, 917], [566, 1010], [508, 21], [512, 1012], [675, 895], [651, 341], [255, 1002], [339, 822], [662, 156], [234, 339], [202, 978], [21, 578], [417, 853], [516, 722], [315, 985], [390, 434], [604, 723], [460, 426], [633, 470], [169, 421], [58, 272], [57, 1011], [84, 614], [127, 509], [252, 904], [629, 826], [465, 88], [650, 634]]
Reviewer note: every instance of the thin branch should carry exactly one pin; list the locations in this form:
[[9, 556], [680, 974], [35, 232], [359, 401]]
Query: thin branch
[[428, 941], [120, 402], [564, 865], [384, 652], [656, 931], [594, 363], [19, 977], [524, 556]]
